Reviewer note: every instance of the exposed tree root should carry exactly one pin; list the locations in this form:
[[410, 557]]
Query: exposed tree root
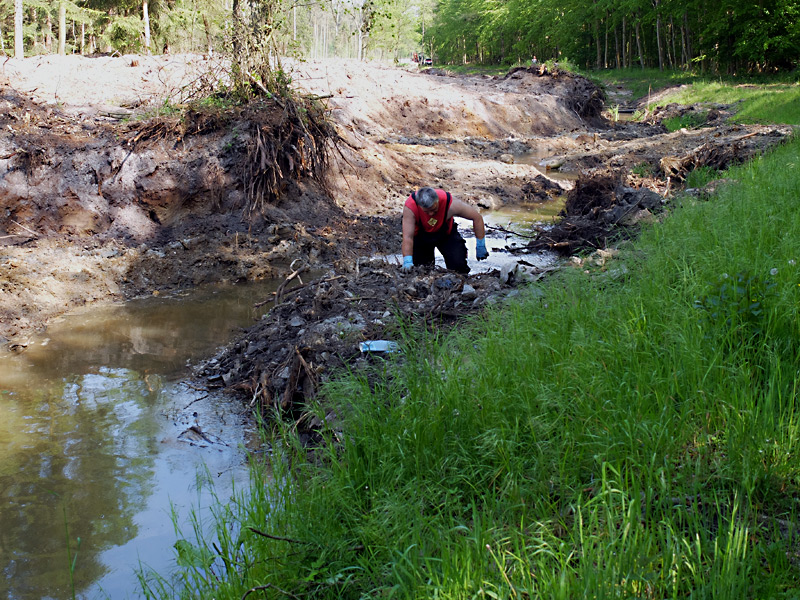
[[600, 210], [715, 156], [285, 144]]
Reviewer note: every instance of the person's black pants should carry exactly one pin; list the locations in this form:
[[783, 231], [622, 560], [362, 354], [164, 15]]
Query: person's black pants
[[451, 245]]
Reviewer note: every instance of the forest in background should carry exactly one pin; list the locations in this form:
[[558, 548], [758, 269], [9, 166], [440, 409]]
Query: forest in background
[[715, 36]]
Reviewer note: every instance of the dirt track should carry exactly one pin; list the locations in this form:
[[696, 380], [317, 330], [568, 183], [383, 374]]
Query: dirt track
[[94, 210]]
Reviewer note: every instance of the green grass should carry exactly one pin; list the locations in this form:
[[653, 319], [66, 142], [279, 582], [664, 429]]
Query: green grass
[[688, 120], [767, 103], [626, 433], [760, 100], [643, 82]]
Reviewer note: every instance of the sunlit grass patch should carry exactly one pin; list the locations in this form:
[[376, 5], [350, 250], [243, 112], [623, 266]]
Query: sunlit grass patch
[[765, 103]]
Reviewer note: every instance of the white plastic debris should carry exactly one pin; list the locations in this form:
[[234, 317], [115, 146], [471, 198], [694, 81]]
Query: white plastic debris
[[379, 346]]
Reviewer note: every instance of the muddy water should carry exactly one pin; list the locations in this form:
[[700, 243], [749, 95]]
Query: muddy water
[[512, 226], [98, 438], [543, 160]]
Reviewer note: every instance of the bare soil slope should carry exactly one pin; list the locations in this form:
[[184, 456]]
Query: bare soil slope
[[99, 204]]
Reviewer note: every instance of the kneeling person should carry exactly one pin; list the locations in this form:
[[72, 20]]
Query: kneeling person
[[428, 224]]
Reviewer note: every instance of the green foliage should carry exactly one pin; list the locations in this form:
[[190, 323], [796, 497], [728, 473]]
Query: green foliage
[[165, 109], [736, 303], [688, 120], [643, 169], [644, 82], [193, 557], [124, 34], [723, 36], [699, 177]]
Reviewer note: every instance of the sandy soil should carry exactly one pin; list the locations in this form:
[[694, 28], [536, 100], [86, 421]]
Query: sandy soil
[[101, 203]]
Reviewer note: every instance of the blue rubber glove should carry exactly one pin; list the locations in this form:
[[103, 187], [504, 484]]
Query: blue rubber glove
[[480, 249], [408, 262]]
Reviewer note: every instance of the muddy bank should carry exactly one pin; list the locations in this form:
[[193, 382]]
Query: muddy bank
[[102, 200], [323, 325], [98, 206]]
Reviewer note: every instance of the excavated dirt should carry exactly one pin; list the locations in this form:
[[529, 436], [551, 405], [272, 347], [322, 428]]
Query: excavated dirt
[[108, 195]]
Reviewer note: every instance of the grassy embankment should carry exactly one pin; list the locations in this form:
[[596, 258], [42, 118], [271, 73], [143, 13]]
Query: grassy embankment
[[627, 433]]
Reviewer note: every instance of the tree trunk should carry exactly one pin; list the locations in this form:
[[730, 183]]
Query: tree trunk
[[688, 40], [146, 19], [48, 34], [19, 50], [238, 30], [209, 43], [35, 23], [62, 28], [599, 57], [616, 48], [639, 43], [83, 38], [625, 61], [674, 47], [659, 43]]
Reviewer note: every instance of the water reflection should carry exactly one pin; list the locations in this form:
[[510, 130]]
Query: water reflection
[[90, 448]]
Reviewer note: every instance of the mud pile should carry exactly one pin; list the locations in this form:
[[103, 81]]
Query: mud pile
[[600, 211]]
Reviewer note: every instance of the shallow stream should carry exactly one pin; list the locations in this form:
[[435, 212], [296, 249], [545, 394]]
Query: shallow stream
[[99, 439]]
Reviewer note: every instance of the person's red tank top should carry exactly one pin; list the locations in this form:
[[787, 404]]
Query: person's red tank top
[[436, 222]]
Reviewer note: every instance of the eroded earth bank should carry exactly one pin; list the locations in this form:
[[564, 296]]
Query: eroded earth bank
[[103, 198]]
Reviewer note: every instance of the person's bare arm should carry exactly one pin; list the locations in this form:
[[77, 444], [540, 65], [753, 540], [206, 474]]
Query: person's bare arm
[[465, 211], [409, 224]]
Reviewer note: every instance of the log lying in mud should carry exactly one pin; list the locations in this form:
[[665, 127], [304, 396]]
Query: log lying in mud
[[599, 211], [717, 154]]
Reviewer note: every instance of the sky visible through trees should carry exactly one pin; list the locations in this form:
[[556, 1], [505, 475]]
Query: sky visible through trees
[[719, 36]]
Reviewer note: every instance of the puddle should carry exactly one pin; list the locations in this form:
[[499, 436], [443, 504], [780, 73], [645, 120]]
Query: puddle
[[506, 228], [510, 227], [546, 162], [99, 437]]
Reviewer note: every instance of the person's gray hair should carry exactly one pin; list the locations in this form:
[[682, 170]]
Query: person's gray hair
[[426, 197]]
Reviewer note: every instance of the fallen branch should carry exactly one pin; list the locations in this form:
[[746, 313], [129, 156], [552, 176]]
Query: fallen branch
[[260, 85], [296, 289], [277, 537], [25, 228], [502, 229], [268, 586], [295, 273]]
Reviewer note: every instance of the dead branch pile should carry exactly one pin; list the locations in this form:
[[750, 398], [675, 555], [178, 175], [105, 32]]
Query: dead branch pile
[[317, 328], [599, 211], [714, 156]]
